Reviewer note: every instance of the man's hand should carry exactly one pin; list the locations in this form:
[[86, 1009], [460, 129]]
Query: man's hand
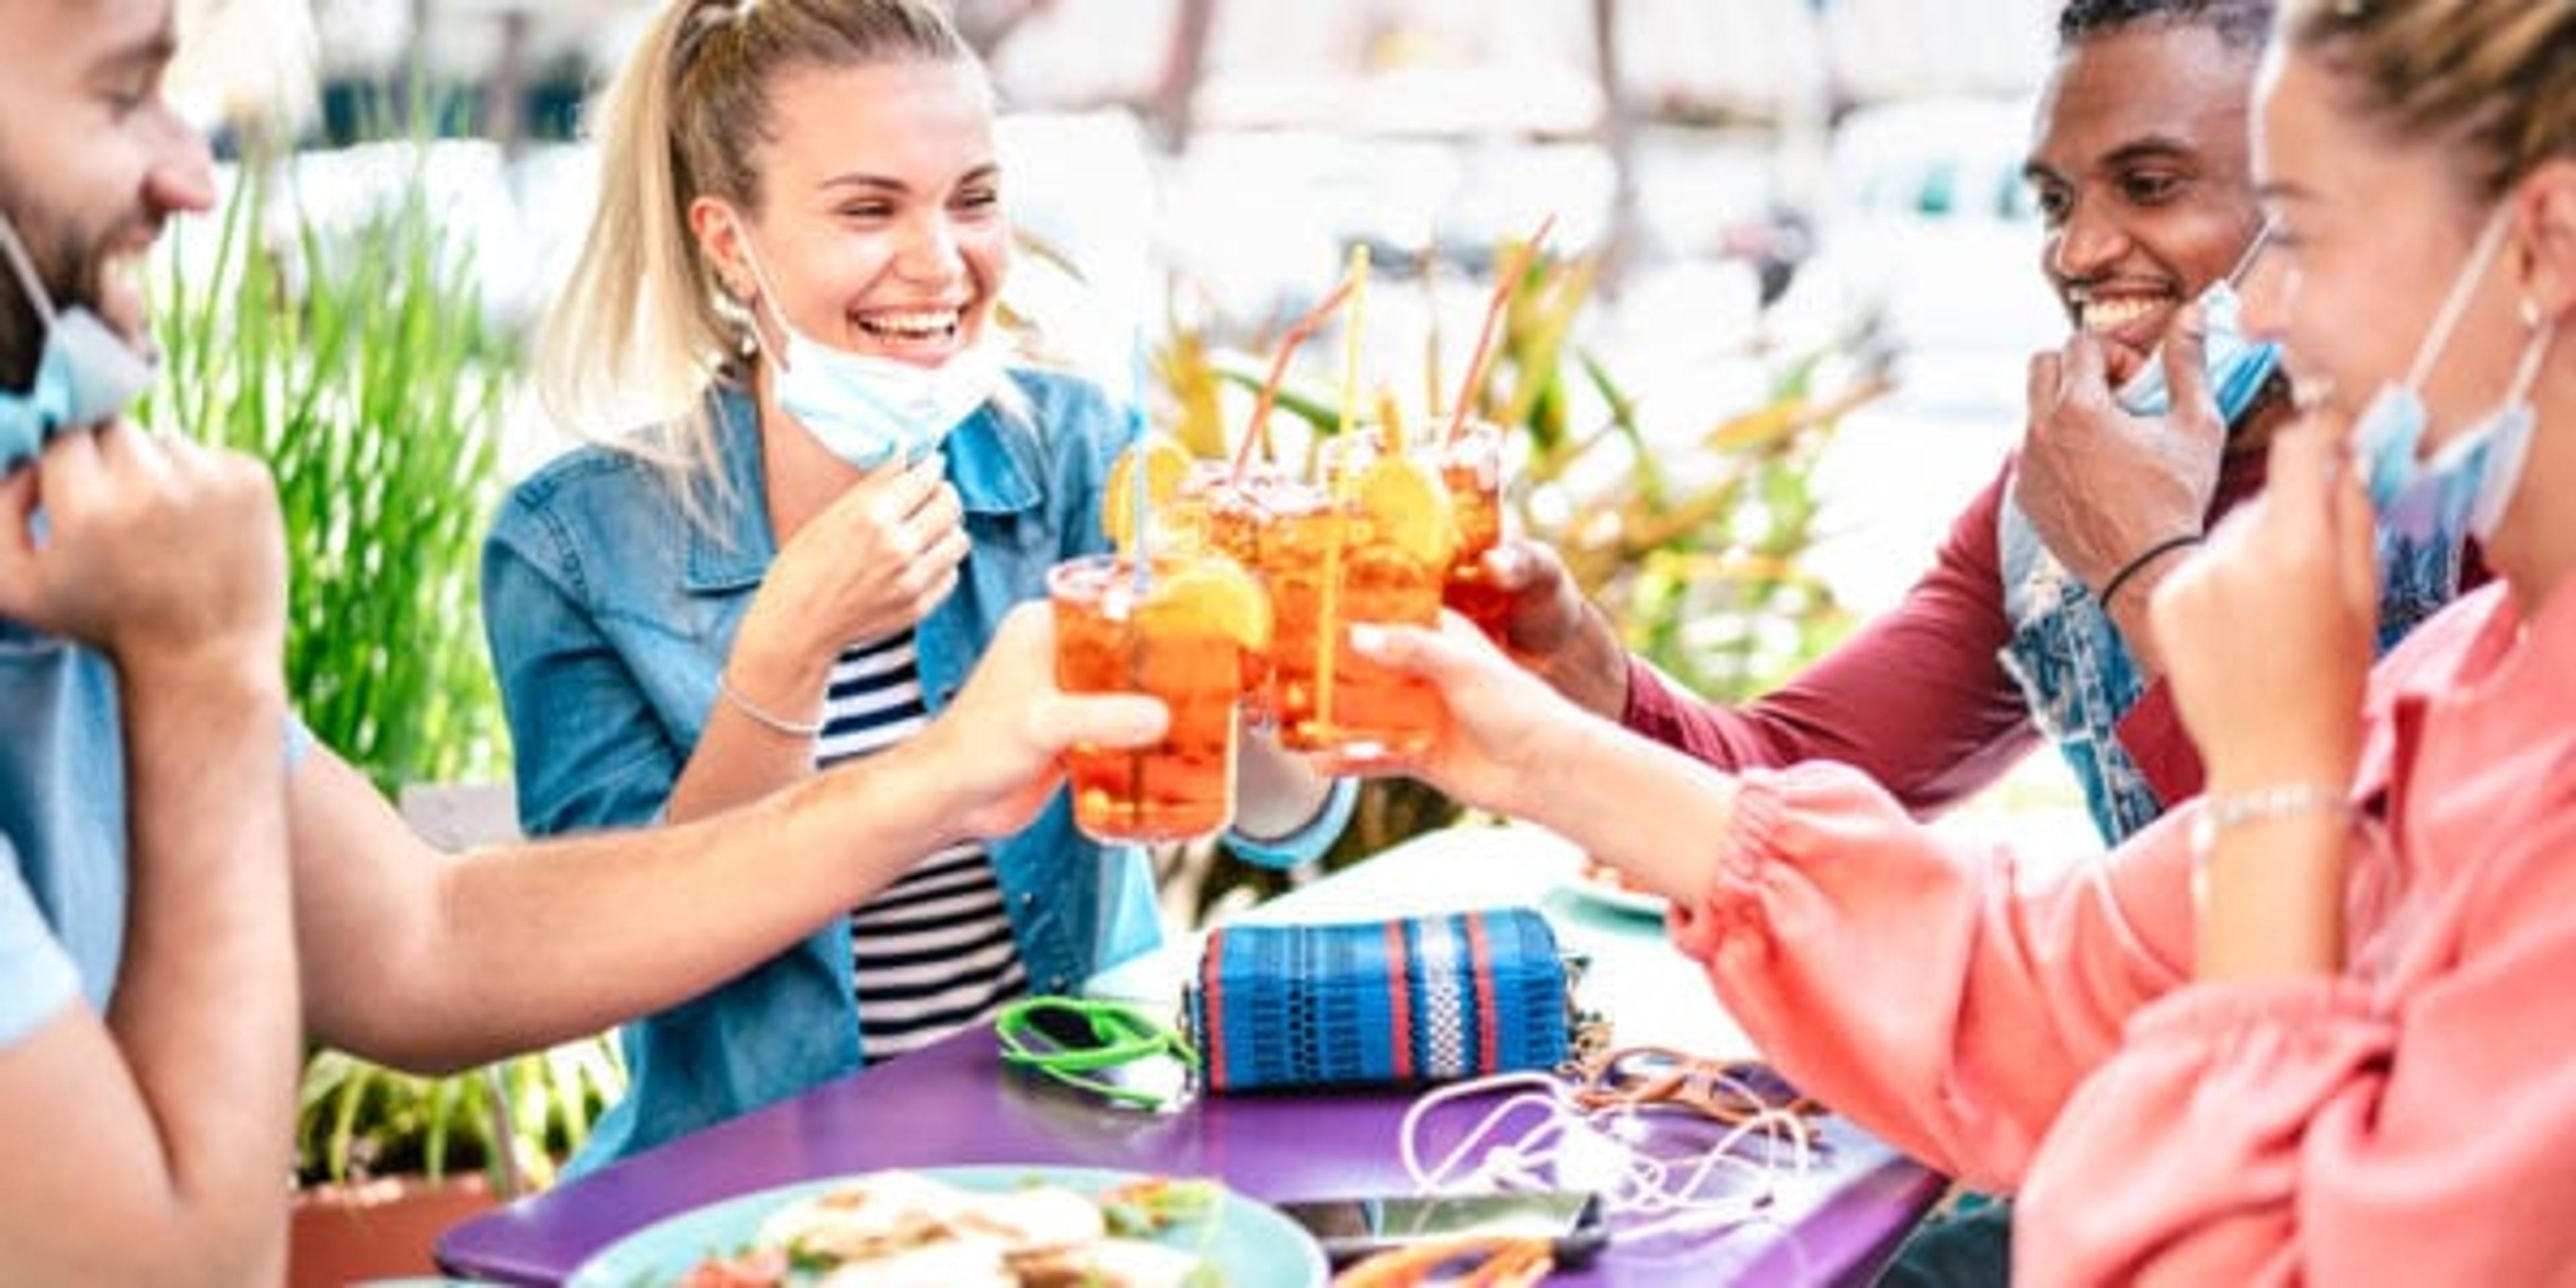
[[995, 749], [1554, 632], [161, 552], [2102, 486]]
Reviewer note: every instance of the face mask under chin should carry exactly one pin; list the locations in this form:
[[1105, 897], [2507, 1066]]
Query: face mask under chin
[[2469, 480], [84, 373], [867, 409]]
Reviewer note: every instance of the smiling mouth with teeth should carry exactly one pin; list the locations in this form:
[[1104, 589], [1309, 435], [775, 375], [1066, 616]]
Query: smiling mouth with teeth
[[2119, 314], [933, 326]]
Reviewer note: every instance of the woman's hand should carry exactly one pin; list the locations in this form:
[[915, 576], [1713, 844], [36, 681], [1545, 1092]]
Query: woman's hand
[[2267, 632], [872, 563], [1502, 728]]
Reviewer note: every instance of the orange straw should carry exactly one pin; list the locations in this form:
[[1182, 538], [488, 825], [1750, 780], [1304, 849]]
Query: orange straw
[[1258, 431], [1505, 287]]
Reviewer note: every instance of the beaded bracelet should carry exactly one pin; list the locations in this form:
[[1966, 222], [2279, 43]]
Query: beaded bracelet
[[779, 723], [2138, 564], [2284, 800]]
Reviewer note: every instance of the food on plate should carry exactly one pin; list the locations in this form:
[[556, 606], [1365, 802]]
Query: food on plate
[[903, 1229]]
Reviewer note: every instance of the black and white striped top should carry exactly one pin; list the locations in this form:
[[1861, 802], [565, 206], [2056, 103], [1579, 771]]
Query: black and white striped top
[[933, 952]]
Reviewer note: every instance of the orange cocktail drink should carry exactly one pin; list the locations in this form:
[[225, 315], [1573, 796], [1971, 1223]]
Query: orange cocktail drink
[[1471, 468], [1181, 635], [1372, 549]]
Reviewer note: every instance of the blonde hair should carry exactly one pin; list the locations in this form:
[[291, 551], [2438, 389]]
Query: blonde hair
[[2497, 77], [643, 324]]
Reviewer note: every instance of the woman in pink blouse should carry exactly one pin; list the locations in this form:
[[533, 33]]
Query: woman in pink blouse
[[2320, 1026]]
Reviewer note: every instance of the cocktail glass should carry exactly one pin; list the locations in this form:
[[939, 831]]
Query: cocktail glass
[[1373, 550], [1471, 467], [1180, 634]]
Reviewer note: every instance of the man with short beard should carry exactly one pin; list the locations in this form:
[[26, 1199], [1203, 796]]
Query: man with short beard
[[2031, 624], [191, 886]]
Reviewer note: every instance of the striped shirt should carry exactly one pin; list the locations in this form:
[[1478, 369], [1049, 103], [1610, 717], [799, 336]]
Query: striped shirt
[[933, 952]]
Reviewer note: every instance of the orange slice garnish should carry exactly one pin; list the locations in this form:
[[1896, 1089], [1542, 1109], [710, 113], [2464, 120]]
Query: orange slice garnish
[[1166, 463], [1214, 596], [1407, 507]]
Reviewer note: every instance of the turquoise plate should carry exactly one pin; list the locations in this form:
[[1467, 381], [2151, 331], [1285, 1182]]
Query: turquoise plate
[[1250, 1243]]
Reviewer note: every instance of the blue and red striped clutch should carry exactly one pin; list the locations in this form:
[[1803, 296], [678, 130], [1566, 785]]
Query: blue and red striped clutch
[[1405, 1002]]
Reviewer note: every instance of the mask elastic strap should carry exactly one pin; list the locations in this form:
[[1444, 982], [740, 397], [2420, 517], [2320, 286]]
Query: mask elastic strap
[[2253, 251], [2456, 305], [2526, 373], [25, 268], [768, 293]]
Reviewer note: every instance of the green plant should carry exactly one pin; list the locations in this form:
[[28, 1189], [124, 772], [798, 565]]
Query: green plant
[[355, 362], [357, 366], [1699, 560], [356, 1120]]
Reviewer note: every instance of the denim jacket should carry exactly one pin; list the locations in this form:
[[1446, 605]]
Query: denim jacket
[[2072, 665], [610, 614]]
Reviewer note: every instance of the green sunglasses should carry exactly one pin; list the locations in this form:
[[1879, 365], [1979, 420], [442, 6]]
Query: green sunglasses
[[1072, 1039]]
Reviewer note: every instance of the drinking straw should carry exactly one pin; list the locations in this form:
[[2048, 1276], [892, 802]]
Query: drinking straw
[[1337, 521], [1506, 285], [1258, 429], [1139, 502]]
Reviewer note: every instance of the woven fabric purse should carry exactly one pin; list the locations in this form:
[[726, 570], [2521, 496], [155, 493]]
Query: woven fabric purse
[[1380, 1003]]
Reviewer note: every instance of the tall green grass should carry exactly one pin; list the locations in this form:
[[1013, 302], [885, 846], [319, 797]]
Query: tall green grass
[[359, 368]]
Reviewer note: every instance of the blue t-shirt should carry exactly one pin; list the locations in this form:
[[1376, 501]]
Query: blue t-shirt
[[62, 828]]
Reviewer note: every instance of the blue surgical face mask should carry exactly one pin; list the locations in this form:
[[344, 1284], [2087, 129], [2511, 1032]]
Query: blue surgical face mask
[[868, 410], [2468, 481], [2237, 363], [85, 376]]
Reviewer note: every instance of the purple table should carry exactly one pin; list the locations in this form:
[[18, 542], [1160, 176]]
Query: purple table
[[954, 1104]]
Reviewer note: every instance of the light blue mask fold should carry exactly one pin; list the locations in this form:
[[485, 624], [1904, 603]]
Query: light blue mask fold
[[868, 410], [85, 375], [2467, 482], [2237, 363]]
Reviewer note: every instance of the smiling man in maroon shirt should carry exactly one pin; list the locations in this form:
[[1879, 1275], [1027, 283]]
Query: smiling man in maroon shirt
[[2139, 162]]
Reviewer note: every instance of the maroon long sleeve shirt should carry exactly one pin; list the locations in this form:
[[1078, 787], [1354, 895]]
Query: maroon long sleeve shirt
[[1919, 699]]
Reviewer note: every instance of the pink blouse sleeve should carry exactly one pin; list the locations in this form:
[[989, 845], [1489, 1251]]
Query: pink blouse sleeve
[[1947, 997], [2312, 1131]]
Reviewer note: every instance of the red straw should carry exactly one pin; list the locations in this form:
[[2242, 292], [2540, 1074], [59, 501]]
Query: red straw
[[1505, 287], [1258, 430]]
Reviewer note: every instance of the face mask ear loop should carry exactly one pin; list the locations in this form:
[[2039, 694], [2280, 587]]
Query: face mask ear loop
[[25, 268], [768, 293], [2535, 352], [2456, 305], [2253, 251]]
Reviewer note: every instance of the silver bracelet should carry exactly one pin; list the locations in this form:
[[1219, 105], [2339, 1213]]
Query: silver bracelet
[[2216, 814], [778, 723]]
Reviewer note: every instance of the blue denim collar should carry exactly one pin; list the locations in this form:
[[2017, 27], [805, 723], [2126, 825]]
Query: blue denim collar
[[992, 463]]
